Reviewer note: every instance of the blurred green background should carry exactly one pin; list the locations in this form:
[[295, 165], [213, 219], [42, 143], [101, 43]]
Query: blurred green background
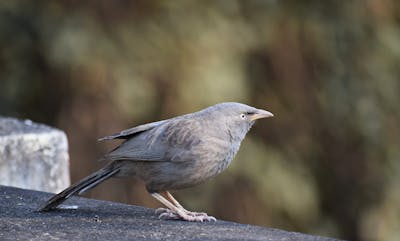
[[327, 164]]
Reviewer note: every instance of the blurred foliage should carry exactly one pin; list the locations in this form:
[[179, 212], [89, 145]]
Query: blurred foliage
[[328, 163]]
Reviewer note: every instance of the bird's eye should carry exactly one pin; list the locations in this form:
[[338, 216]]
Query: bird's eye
[[243, 116]]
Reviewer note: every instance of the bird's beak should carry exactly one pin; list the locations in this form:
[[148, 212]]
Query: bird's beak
[[261, 114]]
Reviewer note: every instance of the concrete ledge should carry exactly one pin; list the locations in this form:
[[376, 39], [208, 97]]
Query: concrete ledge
[[101, 220], [33, 156]]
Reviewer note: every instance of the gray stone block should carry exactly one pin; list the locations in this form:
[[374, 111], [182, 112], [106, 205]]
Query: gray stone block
[[102, 220], [33, 156]]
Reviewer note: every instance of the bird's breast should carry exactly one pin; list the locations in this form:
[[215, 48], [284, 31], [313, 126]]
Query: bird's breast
[[217, 157], [206, 162]]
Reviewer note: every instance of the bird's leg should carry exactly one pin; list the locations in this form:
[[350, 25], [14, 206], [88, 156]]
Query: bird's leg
[[174, 212], [166, 210], [178, 205], [169, 197], [171, 212]]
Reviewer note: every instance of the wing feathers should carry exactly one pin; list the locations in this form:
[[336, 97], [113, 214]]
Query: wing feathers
[[125, 134], [172, 141]]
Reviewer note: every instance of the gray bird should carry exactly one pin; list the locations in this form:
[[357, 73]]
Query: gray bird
[[173, 154]]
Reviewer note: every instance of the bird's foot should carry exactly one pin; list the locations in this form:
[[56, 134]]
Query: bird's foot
[[199, 217], [168, 214], [195, 214]]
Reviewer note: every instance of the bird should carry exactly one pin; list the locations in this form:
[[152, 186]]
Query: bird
[[173, 154]]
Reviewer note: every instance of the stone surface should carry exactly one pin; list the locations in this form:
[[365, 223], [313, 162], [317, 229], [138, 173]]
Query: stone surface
[[101, 220], [33, 156]]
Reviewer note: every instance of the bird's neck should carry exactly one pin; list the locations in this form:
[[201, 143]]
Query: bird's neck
[[237, 135]]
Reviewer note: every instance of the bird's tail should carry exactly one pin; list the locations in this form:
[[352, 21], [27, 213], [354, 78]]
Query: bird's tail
[[81, 186]]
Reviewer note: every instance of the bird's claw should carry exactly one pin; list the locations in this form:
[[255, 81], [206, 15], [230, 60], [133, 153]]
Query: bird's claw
[[205, 218], [196, 213], [168, 214], [201, 218], [162, 210]]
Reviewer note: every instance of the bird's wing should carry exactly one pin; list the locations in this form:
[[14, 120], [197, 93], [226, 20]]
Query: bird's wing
[[128, 133], [172, 141]]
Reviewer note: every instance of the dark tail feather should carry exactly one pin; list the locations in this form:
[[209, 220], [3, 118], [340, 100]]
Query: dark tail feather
[[80, 187]]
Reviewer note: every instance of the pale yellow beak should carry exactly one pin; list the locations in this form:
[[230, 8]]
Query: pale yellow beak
[[261, 114]]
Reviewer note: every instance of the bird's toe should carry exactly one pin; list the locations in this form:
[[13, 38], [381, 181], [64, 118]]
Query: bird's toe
[[196, 213], [169, 216], [210, 219], [199, 218], [162, 210]]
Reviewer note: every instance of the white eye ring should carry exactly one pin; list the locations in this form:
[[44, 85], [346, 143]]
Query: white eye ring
[[243, 116]]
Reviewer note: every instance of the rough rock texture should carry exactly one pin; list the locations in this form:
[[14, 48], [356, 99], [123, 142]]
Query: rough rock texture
[[101, 220], [33, 156]]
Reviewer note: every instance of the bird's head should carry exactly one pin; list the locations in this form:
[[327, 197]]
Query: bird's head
[[237, 117]]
